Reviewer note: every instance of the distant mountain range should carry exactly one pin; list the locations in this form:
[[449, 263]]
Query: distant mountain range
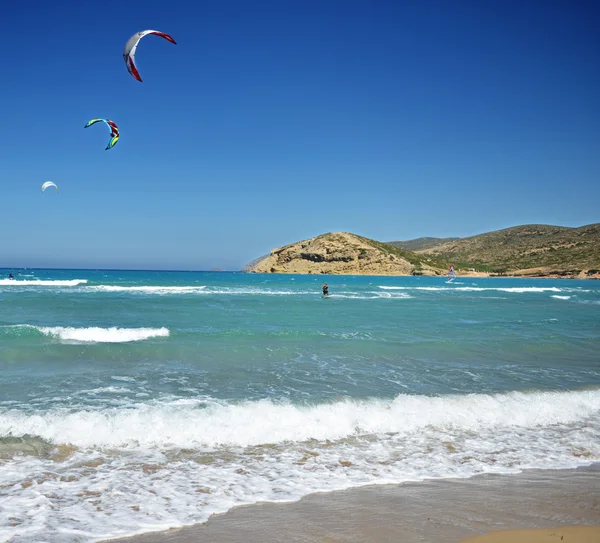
[[534, 250]]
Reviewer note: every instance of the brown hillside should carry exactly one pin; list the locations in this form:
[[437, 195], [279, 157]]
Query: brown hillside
[[345, 253], [546, 248]]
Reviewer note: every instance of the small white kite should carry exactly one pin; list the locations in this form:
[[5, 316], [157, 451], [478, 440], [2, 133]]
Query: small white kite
[[49, 184]]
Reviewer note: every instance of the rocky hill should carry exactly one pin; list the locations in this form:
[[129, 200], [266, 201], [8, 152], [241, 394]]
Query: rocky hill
[[534, 250], [349, 254]]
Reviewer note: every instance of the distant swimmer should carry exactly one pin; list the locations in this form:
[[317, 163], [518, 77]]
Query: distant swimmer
[[11, 276], [325, 289]]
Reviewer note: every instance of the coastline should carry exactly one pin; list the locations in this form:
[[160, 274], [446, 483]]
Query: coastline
[[436, 511], [511, 275], [525, 251]]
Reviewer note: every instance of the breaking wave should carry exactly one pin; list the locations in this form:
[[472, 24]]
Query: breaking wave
[[96, 334], [209, 423], [42, 283], [519, 290], [147, 289]]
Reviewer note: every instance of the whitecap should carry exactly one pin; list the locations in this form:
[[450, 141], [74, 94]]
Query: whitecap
[[101, 335]]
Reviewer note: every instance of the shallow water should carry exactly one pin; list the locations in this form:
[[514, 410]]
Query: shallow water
[[135, 401]]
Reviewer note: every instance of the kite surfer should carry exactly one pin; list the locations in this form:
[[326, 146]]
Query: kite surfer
[[325, 289], [451, 274]]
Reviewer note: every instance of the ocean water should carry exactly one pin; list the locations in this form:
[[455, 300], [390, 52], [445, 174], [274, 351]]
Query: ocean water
[[139, 401]]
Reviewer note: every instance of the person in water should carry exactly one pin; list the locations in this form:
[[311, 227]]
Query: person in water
[[325, 289], [11, 276]]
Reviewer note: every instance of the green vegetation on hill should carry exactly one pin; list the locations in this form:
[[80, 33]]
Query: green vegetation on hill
[[416, 259], [556, 248], [420, 244]]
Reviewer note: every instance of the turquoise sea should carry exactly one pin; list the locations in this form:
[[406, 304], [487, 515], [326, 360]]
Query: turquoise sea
[[139, 401]]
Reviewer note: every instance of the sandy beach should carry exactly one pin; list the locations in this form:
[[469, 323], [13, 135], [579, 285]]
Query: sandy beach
[[540, 505], [572, 534]]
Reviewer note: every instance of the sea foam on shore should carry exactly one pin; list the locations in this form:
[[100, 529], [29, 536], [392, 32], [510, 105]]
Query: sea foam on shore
[[436, 511]]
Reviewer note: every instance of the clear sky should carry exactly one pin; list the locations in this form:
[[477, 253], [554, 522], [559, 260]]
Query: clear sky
[[275, 121]]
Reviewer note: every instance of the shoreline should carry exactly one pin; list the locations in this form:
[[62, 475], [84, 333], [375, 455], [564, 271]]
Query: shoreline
[[460, 274], [436, 511], [480, 275]]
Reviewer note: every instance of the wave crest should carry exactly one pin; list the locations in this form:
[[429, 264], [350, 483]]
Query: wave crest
[[147, 289], [42, 282], [210, 423], [100, 335]]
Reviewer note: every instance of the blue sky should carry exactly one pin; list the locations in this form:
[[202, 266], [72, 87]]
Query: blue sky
[[271, 122]]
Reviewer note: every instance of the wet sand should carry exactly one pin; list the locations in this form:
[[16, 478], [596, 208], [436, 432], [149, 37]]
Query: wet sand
[[567, 534], [437, 511]]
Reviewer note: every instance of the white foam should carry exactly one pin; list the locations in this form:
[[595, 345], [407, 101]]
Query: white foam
[[160, 465], [147, 289], [258, 423], [191, 289], [561, 297], [202, 289], [42, 283], [348, 335], [372, 296], [258, 291], [519, 290], [104, 390], [101, 335], [123, 378]]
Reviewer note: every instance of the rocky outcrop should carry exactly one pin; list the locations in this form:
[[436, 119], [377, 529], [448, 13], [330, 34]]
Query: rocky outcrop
[[344, 253]]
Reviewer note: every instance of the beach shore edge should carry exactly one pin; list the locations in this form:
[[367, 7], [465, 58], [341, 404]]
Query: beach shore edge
[[489, 506]]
